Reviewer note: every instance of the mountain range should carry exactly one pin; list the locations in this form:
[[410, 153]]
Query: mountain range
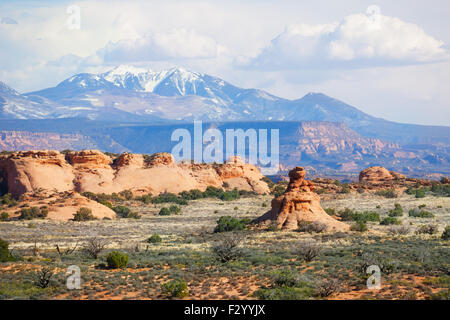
[[136, 98]]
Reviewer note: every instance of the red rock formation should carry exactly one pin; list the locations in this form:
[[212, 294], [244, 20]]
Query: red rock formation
[[93, 171], [299, 203], [379, 175]]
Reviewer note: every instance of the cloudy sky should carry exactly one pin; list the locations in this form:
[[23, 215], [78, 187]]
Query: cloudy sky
[[390, 59]]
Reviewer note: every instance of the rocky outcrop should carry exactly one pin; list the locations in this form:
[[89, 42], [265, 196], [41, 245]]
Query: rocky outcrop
[[91, 170], [299, 203], [379, 175]]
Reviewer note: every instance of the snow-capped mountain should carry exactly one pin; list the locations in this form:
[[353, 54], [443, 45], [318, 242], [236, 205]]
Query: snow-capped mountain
[[15, 106], [130, 94]]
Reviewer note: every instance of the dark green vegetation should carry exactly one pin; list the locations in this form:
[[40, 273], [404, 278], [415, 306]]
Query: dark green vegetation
[[84, 214], [117, 260], [33, 213], [227, 223], [5, 254]]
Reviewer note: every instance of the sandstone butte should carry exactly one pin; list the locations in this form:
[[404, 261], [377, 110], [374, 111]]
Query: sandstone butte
[[379, 175], [49, 172], [299, 203], [94, 171]]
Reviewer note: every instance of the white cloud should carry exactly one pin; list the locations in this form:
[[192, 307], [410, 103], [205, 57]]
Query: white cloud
[[176, 44], [359, 40]]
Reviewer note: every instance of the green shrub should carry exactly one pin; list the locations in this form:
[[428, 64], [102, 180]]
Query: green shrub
[[284, 293], [350, 215], [4, 216], [168, 197], [5, 254], [359, 226], [126, 194], [446, 233], [33, 213], [84, 214], [389, 193], [330, 211], [416, 213], [345, 188], [164, 212], [8, 200], [175, 288], [122, 211], [155, 238], [397, 211], [311, 227], [117, 260], [278, 190], [427, 229], [227, 223], [390, 221], [174, 209]]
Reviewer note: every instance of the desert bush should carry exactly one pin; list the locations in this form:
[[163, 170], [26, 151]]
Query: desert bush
[[278, 190], [351, 215], [397, 211], [174, 209], [416, 213], [330, 211], [155, 238], [42, 277], [287, 278], [164, 212], [33, 213], [227, 223], [390, 221], [285, 293], [420, 193], [84, 214], [427, 229], [94, 246], [5, 254], [399, 230], [228, 247], [4, 216], [168, 197], [125, 212], [175, 288], [311, 227], [117, 260], [446, 233], [8, 200], [126, 194], [359, 226], [388, 193], [345, 188], [328, 287], [308, 250]]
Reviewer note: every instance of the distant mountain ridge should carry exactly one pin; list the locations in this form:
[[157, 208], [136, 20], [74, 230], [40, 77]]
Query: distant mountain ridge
[[129, 94]]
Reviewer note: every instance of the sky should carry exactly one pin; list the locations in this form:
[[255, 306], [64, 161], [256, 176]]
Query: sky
[[390, 59]]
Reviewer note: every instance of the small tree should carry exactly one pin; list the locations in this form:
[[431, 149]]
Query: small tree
[[94, 246], [155, 238], [83, 214], [228, 247]]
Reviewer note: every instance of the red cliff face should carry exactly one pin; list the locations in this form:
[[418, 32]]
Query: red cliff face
[[299, 203]]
